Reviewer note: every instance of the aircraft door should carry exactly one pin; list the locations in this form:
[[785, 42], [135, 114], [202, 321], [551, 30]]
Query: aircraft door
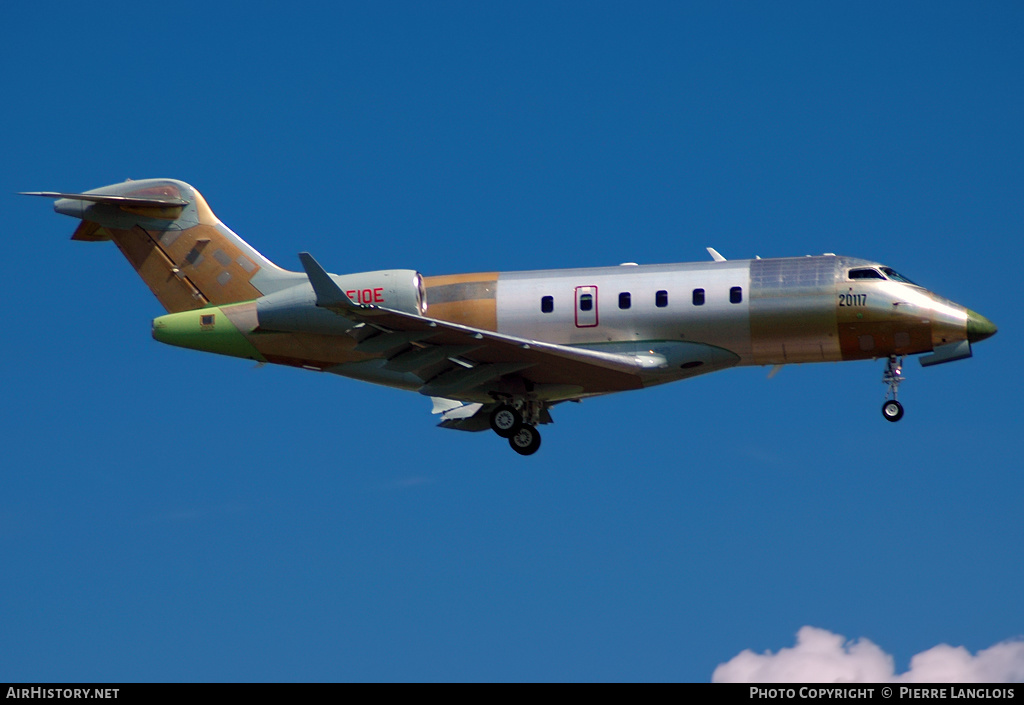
[[586, 306]]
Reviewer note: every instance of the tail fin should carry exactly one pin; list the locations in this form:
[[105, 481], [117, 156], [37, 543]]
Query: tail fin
[[166, 230]]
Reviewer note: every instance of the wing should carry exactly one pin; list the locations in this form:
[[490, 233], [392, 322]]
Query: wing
[[474, 365]]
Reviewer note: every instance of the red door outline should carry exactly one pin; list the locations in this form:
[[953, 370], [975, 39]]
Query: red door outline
[[586, 319]]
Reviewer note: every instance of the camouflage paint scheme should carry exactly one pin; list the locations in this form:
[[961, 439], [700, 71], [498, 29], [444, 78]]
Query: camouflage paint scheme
[[530, 339]]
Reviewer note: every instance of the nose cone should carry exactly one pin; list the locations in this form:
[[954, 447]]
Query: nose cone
[[979, 327]]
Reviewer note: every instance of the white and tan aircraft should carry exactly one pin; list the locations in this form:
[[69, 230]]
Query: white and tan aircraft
[[498, 349]]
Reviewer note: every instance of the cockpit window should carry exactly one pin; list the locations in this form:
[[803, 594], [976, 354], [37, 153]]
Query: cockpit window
[[896, 276], [865, 273]]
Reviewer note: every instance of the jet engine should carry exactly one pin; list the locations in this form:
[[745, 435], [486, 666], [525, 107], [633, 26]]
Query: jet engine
[[294, 309]]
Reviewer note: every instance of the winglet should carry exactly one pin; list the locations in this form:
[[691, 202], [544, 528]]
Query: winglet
[[328, 294], [714, 255]]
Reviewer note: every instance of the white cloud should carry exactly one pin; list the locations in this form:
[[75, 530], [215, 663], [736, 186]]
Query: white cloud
[[823, 657]]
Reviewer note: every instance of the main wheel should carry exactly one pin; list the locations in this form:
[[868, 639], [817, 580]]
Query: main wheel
[[505, 421], [892, 410], [526, 440]]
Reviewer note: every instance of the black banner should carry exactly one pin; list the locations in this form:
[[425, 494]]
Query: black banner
[[757, 692]]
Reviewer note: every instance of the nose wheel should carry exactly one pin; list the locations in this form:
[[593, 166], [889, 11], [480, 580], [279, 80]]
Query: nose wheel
[[892, 410]]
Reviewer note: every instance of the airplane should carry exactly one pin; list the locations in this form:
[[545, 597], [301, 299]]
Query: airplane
[[498, 349]]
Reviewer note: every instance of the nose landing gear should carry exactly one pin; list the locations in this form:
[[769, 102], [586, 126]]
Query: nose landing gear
[[892, 410]]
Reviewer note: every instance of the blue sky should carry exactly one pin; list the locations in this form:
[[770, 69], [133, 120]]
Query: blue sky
[[169, 515]]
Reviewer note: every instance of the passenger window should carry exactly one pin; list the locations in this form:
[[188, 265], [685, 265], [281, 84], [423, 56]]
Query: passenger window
[[586, 302], [698, 297], [661, 299], [736, 295], [865, 273], [547, 304], [625, 300]]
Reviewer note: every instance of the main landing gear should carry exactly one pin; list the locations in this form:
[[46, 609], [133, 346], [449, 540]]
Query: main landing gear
[[518, 423], [892, 410]]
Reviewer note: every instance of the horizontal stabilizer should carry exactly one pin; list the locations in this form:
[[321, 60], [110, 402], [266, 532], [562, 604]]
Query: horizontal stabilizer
[[167, 202]]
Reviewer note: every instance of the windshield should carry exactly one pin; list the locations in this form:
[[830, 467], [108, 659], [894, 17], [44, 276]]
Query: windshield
[[896, 276], [865, 273]]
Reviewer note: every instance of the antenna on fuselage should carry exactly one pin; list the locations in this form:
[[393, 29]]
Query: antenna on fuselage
[[714, 255]]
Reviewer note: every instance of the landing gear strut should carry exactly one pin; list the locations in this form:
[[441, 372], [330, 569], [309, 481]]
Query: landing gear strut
[[517, 421], [892, 410]]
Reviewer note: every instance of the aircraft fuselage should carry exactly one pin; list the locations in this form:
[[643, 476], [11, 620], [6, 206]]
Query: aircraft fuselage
[[498, 348], [679, 319]]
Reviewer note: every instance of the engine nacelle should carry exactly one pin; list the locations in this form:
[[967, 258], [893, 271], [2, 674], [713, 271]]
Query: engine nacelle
[[398, 289], [294, 309]]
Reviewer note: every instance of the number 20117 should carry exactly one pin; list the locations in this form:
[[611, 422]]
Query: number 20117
[[853, 300]]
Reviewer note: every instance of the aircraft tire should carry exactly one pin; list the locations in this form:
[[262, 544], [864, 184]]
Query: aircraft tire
[[526, 440], [506, 421], [892, 410]]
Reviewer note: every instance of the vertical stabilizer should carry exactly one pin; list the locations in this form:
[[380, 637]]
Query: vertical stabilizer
[[166, 230]]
